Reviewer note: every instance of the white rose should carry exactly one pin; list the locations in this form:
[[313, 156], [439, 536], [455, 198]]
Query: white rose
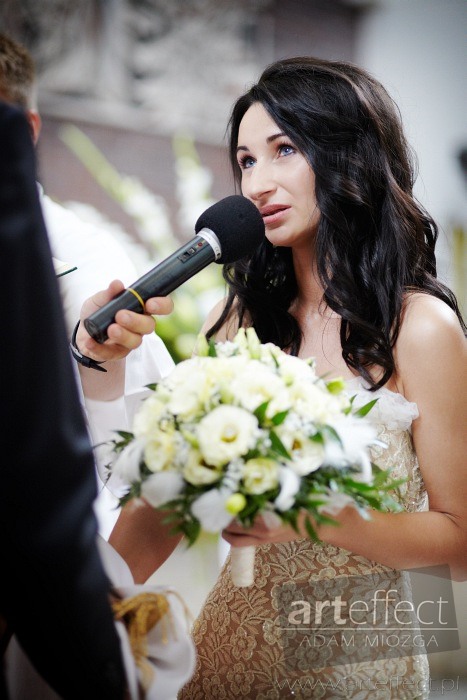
[[226, 433], [260, 474], [147, 418], [160, 451], [197, 473]]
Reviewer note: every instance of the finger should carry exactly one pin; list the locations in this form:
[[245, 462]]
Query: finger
[[160, 306], [239, 540], [141, 324], [99, 299], [104, 296], [122, 337]]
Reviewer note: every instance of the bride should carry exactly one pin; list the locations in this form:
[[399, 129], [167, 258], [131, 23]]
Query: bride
[[346, 274]]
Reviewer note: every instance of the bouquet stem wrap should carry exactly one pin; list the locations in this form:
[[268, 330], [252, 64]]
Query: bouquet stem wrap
[[242, 565]]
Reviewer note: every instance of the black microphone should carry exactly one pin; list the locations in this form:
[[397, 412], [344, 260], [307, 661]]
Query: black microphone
[[225, 232]]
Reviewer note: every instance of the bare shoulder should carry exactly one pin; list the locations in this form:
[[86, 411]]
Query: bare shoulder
[[427, 318], [230, 326], [431, 340]]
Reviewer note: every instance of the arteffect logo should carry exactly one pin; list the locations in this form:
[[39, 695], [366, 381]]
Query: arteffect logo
[[347, 619]]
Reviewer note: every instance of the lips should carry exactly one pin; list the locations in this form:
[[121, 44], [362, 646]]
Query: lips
[[271, 209], [273, 212]]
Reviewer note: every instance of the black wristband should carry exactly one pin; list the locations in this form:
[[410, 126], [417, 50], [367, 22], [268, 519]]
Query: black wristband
[[82, 359]]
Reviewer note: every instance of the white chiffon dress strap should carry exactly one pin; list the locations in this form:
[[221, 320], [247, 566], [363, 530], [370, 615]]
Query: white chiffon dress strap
[[392, 410]]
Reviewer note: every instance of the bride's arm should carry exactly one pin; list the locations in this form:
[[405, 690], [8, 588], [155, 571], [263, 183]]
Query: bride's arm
[[141, 538], [431, 357]]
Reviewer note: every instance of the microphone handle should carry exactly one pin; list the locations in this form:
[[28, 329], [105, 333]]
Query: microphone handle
[[159, 281]]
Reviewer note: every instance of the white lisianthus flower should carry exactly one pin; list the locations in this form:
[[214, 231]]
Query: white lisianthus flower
[[199, 383], [189, 403], [307, 456], [147, 418], [260, 474], [311, 402], [279, 403], [160, 451], [211, 511], [255, 385], [159, 488], [293, 369], [221, 373], [226, 433], [197, 473], [182, 374], [289, 485]]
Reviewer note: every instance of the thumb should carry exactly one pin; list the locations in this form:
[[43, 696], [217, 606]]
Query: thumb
[[101, 298]]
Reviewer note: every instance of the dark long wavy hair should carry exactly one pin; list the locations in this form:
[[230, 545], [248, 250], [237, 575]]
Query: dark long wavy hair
[[374, 241]]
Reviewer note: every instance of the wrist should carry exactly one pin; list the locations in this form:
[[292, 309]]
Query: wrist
[[83, 359]]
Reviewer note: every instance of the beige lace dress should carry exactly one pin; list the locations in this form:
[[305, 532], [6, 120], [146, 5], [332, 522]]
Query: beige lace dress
[[249, 647]]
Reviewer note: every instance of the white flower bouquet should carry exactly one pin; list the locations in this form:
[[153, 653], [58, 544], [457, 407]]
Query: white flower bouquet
[[244, 429]]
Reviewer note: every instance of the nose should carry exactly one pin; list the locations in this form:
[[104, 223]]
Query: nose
[[258, 181]]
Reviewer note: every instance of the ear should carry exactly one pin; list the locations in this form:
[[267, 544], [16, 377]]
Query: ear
[[35, 123]]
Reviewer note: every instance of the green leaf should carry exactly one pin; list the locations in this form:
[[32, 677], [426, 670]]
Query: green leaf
[[125, 434], [192, 530], [364, 410], [212, 352], [260, 412], [312, 534], [277, 445], [280, 417]]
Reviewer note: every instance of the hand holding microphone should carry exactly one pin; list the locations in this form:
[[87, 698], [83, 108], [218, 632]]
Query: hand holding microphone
[[225, 232]]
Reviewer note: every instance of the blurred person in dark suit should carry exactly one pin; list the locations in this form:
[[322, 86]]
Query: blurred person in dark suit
[[54, 593], [134, 355]]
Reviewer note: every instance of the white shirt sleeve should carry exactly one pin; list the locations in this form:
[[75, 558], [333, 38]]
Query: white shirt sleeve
[[99, 259], [97, 255]]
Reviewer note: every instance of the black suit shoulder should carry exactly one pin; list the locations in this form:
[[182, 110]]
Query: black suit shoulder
[[53, 588]]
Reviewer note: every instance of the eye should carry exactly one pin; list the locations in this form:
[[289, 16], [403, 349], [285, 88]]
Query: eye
[[246, 162], [285, 149]]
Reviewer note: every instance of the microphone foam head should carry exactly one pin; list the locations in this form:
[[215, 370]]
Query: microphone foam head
[[237, 224]]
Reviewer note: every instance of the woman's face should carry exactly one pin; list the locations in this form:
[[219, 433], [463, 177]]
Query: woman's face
[[277, 179]]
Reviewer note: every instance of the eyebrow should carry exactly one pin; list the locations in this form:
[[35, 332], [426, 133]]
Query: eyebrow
[[269, 139]]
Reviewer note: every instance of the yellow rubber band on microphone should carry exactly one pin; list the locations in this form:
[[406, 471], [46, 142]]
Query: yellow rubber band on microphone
[[129, 289]]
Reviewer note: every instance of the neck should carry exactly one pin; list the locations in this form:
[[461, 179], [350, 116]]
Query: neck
[[310, 289]]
